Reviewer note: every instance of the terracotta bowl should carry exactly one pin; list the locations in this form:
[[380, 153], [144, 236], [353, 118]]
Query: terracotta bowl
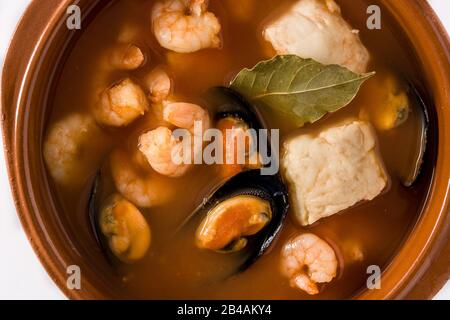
[[42, 42]]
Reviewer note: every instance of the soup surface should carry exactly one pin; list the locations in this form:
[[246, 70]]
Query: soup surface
[[364, 235]]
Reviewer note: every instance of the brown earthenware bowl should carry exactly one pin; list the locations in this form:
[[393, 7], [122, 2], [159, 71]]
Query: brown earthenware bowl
[[41, 44]]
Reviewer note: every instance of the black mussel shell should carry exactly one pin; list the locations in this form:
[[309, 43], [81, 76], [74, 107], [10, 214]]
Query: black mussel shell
[[93, 210], [254, 183], [94, 215], [418, 105], [228, 103]]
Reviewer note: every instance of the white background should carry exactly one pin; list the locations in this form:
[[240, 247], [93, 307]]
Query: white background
[[21, 274]]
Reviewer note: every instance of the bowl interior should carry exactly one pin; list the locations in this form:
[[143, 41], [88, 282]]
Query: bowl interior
[[27, 97]]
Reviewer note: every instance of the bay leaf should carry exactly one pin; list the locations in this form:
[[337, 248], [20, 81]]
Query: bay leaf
[[303, 90]]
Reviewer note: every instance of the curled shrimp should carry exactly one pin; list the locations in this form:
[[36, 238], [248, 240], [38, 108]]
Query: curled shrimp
[[134, 181], [126, 56], [121, 104], [72, 148], [185, 26], [161, 147], [307, 260], [159, 85]]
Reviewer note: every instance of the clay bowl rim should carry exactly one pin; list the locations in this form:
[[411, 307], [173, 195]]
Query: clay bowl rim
[[399, 278]]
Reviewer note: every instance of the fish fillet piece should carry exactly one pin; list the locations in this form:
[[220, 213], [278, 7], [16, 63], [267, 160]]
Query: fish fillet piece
[[333, 171], [315, 29]]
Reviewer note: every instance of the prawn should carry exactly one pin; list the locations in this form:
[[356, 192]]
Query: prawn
[[185, 26], [161, 147], [159, 85], [142, 187], [121, 104], [307, 260], [72, 147], [125, 56]]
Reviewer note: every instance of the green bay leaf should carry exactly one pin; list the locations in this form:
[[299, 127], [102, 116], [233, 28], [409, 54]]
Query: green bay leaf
[[304, 90]]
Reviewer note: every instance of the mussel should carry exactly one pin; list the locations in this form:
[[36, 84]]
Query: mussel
[[401, 109], [119, 228], [242, 217], [93, 210], [419, 107], [230, 104], [234, 113], [231, 107]]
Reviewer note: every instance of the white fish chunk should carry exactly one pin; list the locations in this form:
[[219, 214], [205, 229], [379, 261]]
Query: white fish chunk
[[315, 29], [333, 171]]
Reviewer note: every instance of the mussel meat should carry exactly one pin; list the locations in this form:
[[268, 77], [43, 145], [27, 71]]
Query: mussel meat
[[119, 227], [243, 215]]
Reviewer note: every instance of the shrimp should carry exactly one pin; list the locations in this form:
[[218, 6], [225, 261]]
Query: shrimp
[[126, 57], [307, 260], [185, 26], [160, 146], [142, 187], [159, 84], [124, 54], [121, 104], [72, 148]]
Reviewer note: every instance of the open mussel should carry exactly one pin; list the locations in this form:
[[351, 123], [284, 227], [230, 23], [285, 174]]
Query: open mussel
[[261, 146], [228, 103], [119, 228], [419, 108], [93, 210], [244, 215], [402, 105]]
